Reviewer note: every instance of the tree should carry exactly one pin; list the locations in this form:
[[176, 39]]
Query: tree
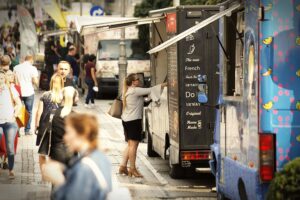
[[142, 10]]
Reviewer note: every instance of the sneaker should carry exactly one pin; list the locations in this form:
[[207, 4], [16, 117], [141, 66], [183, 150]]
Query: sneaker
[[93, 105], [87, 106], [28, 133], [11, 175]]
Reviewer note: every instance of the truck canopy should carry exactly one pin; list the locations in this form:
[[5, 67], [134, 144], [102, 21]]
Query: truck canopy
[[194, 28], [91, 25]]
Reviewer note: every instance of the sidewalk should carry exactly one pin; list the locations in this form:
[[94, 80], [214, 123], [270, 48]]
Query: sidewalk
[[27, 184]]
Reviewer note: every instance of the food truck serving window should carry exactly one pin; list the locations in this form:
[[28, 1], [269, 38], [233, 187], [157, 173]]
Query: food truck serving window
[[234, 44]]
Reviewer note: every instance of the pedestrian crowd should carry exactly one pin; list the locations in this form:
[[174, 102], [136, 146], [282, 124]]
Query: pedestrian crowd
[[67, 141]]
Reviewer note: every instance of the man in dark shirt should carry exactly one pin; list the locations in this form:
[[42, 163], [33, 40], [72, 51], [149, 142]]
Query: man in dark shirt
[[64, 70], [74, 65]]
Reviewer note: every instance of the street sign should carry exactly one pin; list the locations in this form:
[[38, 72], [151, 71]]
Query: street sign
[[96, 11]]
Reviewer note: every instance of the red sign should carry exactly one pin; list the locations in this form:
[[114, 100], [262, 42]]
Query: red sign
[[171, 23]]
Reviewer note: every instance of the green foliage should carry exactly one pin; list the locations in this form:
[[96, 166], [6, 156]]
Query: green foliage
[[286, 184], [142, 10]]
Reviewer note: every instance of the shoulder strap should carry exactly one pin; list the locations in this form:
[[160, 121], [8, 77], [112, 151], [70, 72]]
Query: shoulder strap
[[97, 172], [11, 96]]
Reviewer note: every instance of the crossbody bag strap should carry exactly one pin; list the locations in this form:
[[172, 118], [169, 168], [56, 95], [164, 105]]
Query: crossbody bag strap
[[11, 96], [97, 172]]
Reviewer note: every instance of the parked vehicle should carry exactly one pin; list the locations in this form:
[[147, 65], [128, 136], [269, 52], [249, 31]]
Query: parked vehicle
[[258, 123], [179, 128]]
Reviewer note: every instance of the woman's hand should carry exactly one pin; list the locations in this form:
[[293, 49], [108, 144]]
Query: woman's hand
[[52, 171]]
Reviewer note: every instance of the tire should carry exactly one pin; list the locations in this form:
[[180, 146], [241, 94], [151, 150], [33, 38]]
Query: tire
[[221, 196], [176, 171], [150, 151]]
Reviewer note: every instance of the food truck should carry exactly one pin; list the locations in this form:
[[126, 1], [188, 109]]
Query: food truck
[[258, 120], [178, 127]]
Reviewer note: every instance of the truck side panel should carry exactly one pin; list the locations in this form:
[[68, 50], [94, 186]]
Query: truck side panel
[[280, 77]]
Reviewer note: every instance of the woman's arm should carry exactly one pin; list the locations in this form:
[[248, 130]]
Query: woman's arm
[[39, 113]]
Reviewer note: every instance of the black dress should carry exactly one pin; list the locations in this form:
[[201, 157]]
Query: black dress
[[48, 107]]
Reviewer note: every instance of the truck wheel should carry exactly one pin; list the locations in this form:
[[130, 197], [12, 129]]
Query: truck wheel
[[221, 196], [176, 171], [150, 151]]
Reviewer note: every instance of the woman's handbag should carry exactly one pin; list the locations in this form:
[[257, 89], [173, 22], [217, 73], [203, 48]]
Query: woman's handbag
[[45, 143], [23, 115], [116, 108]]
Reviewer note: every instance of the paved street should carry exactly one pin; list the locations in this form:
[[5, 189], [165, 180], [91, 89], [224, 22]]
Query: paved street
[[156, 183]]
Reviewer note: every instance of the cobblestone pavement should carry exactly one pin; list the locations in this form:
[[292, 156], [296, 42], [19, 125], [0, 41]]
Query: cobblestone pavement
[[27, 184]]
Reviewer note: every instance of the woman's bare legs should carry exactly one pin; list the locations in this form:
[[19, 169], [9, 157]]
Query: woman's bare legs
[[123, 166], [133, 145], [42, 161]]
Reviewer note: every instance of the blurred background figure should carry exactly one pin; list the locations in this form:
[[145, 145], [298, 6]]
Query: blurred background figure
[[70, 58], [90, 80], [10, 105], [81, 136], [27, 77]]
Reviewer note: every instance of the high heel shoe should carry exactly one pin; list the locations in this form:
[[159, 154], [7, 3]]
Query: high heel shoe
[[135, 173], [123, 170]]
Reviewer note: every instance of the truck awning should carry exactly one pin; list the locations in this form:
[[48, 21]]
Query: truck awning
[[57, 32], [90, 25], [193, 29]]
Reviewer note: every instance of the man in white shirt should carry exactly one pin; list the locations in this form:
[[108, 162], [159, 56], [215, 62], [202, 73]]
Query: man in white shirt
[[26, 76]]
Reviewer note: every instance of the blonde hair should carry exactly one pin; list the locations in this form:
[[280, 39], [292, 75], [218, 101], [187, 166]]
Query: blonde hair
[[56, 88], [127, 82], [69, 95]]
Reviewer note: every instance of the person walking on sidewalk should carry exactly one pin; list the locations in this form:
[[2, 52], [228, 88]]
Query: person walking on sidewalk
[[27, 76], [49, 102], [133, 103], [90, 80], [10, 105], [58, 149], [80, 180]]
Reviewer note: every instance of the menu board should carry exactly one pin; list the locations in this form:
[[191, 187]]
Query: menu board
[[191, 65]]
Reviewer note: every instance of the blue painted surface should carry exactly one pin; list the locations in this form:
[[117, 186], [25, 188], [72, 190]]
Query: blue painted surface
[[281, 85], [278, 75]]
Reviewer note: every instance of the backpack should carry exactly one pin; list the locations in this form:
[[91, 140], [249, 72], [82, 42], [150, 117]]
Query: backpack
[[116, 193]]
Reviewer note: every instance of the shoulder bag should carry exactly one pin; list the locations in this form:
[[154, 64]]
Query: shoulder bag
[[116, 108], [23, 116], [45, 143]]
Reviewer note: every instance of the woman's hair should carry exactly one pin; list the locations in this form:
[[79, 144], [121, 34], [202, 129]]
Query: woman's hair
[[85, 125], [127, 82], [68, 96], [5, 60], [56, 87], [92, 58]]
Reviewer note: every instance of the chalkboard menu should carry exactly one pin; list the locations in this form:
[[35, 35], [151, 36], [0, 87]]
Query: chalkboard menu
[[191, 124]]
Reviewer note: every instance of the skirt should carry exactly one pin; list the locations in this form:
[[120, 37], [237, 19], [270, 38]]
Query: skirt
[[133, 130]]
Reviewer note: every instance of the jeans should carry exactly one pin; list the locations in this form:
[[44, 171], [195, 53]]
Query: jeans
[[90, 94], [9, 130], [75, 81], [28, 101]]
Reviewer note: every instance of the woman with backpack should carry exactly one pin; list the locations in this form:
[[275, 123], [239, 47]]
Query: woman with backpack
[[87, 176]]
